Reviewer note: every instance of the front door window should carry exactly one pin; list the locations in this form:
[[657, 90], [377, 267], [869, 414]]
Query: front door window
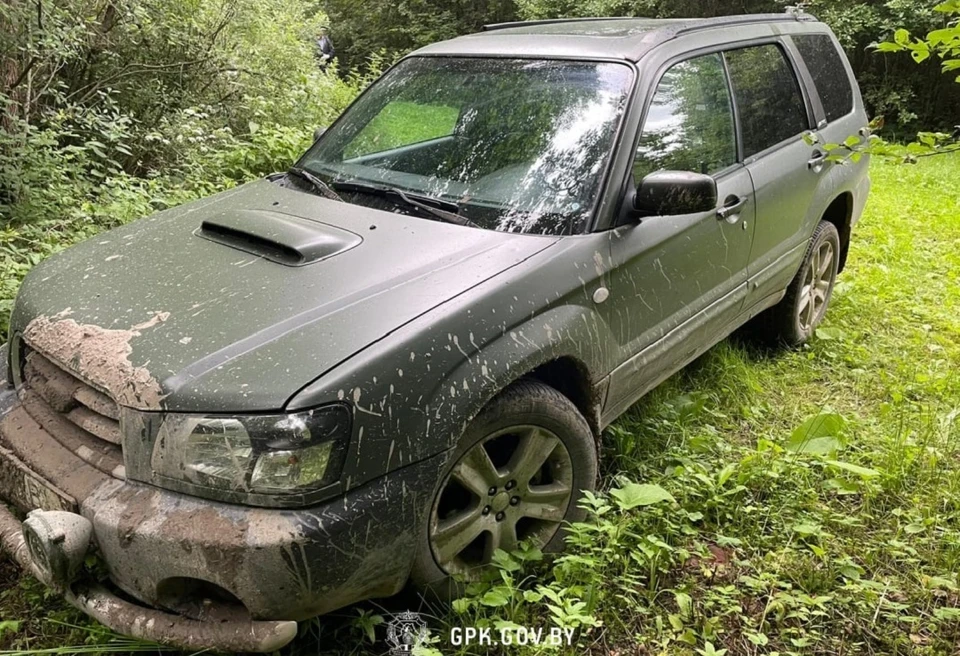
[[689, 125]]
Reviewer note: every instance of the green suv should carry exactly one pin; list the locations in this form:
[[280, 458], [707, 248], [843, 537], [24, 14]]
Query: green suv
[[378, 367]]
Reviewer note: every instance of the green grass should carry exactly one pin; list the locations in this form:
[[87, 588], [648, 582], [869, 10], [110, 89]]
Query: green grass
[[760, 549], [402, 124]]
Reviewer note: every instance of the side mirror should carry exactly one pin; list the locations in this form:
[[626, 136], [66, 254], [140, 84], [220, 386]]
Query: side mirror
[[666, 193], [318, 133]]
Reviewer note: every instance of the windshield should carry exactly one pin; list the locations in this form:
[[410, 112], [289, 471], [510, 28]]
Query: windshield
[[510, 144]]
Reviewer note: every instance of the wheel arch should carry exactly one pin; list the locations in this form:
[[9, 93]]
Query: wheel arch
[[571, 377], [550, 350], [840, 213]]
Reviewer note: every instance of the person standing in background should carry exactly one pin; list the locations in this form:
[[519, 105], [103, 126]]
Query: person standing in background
[[325, 50]]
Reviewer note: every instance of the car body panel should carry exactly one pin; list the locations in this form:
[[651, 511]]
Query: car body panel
[[414, 391], [677, 279], [230, 317]]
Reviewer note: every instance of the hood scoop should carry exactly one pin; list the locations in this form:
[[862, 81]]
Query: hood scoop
[[280, 238]]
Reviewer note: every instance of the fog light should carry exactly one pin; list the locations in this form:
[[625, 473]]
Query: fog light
[[58, 543]]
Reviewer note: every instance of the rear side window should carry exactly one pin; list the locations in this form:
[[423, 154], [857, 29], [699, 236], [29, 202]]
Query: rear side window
[[768, 97], [826, 66], [689, 125]]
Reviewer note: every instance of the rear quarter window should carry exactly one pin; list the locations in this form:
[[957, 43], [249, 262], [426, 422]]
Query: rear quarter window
[[825, 64]]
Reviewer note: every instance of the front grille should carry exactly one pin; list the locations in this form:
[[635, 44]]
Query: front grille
[[79, 416]]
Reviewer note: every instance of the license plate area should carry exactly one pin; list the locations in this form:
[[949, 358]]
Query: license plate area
[[26, 490]]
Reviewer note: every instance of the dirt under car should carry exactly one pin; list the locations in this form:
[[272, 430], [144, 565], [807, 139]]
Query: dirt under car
[[379, 367]]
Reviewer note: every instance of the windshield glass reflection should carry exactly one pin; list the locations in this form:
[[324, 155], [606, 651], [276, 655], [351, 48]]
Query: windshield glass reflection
[[512, 145]]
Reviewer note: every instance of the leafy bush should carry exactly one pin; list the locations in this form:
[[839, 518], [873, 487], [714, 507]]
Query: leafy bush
[[942, 44], [110, 111], [395, 27]]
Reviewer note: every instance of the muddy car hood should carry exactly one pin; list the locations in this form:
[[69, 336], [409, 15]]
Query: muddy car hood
[[167, 313]]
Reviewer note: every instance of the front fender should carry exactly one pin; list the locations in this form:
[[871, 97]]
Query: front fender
[[414, 392], [574, 332]]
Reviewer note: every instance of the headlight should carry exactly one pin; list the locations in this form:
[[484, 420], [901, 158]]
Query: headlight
[[255, 454]]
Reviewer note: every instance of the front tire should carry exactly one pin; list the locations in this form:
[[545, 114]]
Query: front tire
[[517, 475], [794, 320]]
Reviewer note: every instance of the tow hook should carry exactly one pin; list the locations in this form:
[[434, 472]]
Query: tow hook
[[57, 542]]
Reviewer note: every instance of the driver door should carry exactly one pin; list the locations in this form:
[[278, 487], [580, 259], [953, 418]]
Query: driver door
[[678, 282]]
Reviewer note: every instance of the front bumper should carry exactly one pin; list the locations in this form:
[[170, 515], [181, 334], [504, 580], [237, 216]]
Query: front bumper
[[150, 624], [210, 564]]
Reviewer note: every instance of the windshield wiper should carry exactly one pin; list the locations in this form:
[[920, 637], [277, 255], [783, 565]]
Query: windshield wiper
[[318, 184], [395, 194]]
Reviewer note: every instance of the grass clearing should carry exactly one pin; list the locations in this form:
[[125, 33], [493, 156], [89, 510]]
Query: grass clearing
[[778, 533]]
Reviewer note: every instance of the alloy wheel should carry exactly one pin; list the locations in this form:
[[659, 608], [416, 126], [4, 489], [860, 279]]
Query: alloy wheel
[[816, 288], [513, 485]]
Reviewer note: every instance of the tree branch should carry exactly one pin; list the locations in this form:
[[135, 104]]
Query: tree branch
[[945, 151], [23, 74], [127, 72]]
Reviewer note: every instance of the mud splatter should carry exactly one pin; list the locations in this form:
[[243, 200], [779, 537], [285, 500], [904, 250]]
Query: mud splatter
[[100, 356]]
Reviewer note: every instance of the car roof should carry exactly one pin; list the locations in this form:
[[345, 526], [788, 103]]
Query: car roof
[[613, 38]]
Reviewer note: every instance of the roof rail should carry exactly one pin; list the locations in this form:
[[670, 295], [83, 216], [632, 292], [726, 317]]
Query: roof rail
[[552, 21], [792, 13], [745, 19]]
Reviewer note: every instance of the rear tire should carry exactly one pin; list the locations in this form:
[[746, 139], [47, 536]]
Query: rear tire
[[794, 320], [517, 474]]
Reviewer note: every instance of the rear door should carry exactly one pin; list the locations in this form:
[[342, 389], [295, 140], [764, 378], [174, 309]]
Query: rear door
[[774, 113], [678, 281], [840, 115]]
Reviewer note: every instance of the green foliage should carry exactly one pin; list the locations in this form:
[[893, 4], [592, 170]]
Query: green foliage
[[634, 495], [818, 434], [395, 27], [943, 43], [11, 626], [366, 623], [90, 89]]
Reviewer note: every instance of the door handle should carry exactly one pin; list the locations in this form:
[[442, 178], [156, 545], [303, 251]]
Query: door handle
[[817, 161], [731, 208]]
